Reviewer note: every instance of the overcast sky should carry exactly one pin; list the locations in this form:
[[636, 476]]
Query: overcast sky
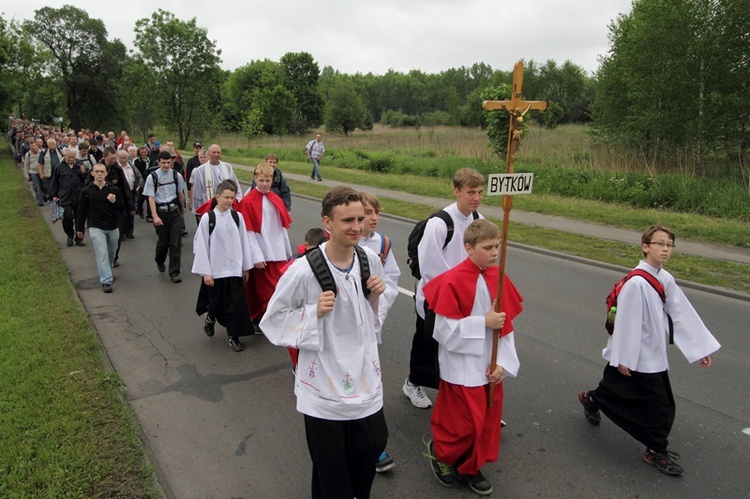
[[366, 36]]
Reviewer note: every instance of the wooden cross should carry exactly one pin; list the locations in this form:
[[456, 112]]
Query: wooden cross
[[516, 108]]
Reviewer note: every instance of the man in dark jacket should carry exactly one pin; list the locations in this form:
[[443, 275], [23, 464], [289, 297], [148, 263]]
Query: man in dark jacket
[[68, 178], [101, 204]]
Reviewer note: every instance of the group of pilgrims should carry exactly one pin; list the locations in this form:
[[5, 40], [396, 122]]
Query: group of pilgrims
[[333, 335]]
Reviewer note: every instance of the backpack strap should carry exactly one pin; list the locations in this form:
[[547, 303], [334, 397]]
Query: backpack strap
[[364, 268], [212, 220], [324, 276], [320, 269], [445, 217], [385, 247], [654, 282]]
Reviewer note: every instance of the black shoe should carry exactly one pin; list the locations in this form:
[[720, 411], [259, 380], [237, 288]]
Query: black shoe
[[663, 461], [208, 325], [443, 472], [129, 236], [162, 268], [80, 243], [320, 179], [140, 215], [477, 483], [107, 288], [116, 263], [70, 241], [256, 328], [234, 342], [176, 278], [590, 410], [40, 203], [184, 233]]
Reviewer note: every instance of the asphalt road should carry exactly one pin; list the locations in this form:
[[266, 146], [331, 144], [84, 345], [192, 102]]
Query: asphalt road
[[221, 424]]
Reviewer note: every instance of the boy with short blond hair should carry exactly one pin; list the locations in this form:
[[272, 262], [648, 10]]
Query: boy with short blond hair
[[440, 249], [267, 221], [382, 246], [465, 429]]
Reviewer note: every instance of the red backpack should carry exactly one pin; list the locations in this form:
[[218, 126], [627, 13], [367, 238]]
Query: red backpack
[[609, 325]]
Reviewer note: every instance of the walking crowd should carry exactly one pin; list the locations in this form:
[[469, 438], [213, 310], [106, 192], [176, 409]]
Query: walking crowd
[[327, 302]]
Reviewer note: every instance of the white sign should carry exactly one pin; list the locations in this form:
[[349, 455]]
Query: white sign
[[510, 184], [57, 120]]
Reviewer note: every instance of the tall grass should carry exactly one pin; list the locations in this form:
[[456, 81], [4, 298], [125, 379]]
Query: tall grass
[[567, 161]]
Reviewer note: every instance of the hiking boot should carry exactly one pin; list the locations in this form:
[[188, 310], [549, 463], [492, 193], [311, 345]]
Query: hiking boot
[[416, 395], [208, 325], [385, 463], [443, 472], [107, 288], [664, 462], [590, 410], [477, 483], [234, 342], [69, 242]]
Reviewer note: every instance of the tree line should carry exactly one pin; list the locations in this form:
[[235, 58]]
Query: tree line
[[673, 87]]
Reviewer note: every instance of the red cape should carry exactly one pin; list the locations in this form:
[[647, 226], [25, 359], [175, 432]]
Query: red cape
[[451, 294], [251, 208], [210, 205]]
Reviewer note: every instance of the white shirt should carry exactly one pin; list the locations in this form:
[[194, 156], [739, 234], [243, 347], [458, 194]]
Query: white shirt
[[227, 253], [433, 258], [465, 345], [641, 333], [220, 172], [392, 273], [338, 375], [271, 244]]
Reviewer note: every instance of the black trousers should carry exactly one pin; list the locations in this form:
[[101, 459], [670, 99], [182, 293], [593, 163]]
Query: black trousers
[[69, 221], [424, 367], [170, 240], [642, 404], [344, 454]]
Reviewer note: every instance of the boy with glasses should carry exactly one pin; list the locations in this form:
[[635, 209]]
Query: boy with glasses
[[635, 392]]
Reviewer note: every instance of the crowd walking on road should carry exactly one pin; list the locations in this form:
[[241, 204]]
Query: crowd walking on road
[[329, 302]]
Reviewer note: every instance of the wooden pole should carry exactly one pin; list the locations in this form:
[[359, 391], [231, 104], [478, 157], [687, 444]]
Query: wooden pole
[[516, 108]]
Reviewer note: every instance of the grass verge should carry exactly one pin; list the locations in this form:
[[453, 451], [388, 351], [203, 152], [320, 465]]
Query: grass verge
[[65, 432], [691, 268]]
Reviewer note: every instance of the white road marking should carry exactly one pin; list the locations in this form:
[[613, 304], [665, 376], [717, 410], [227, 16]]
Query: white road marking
[[746, 431], [406, 292]]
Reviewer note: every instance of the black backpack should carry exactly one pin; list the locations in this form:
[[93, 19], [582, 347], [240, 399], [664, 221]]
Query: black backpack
[[323, 274], [416, 236]]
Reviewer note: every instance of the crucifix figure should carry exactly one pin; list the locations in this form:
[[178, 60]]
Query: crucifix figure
[[516, 108]]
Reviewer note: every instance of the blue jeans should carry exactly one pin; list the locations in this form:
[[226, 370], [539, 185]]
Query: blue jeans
[[316, 168], [105, 245], [36, 183]]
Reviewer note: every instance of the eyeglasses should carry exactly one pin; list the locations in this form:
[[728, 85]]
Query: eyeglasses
[[664, 245]]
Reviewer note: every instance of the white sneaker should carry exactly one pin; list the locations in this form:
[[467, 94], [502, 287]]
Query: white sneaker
[[416, 395]]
